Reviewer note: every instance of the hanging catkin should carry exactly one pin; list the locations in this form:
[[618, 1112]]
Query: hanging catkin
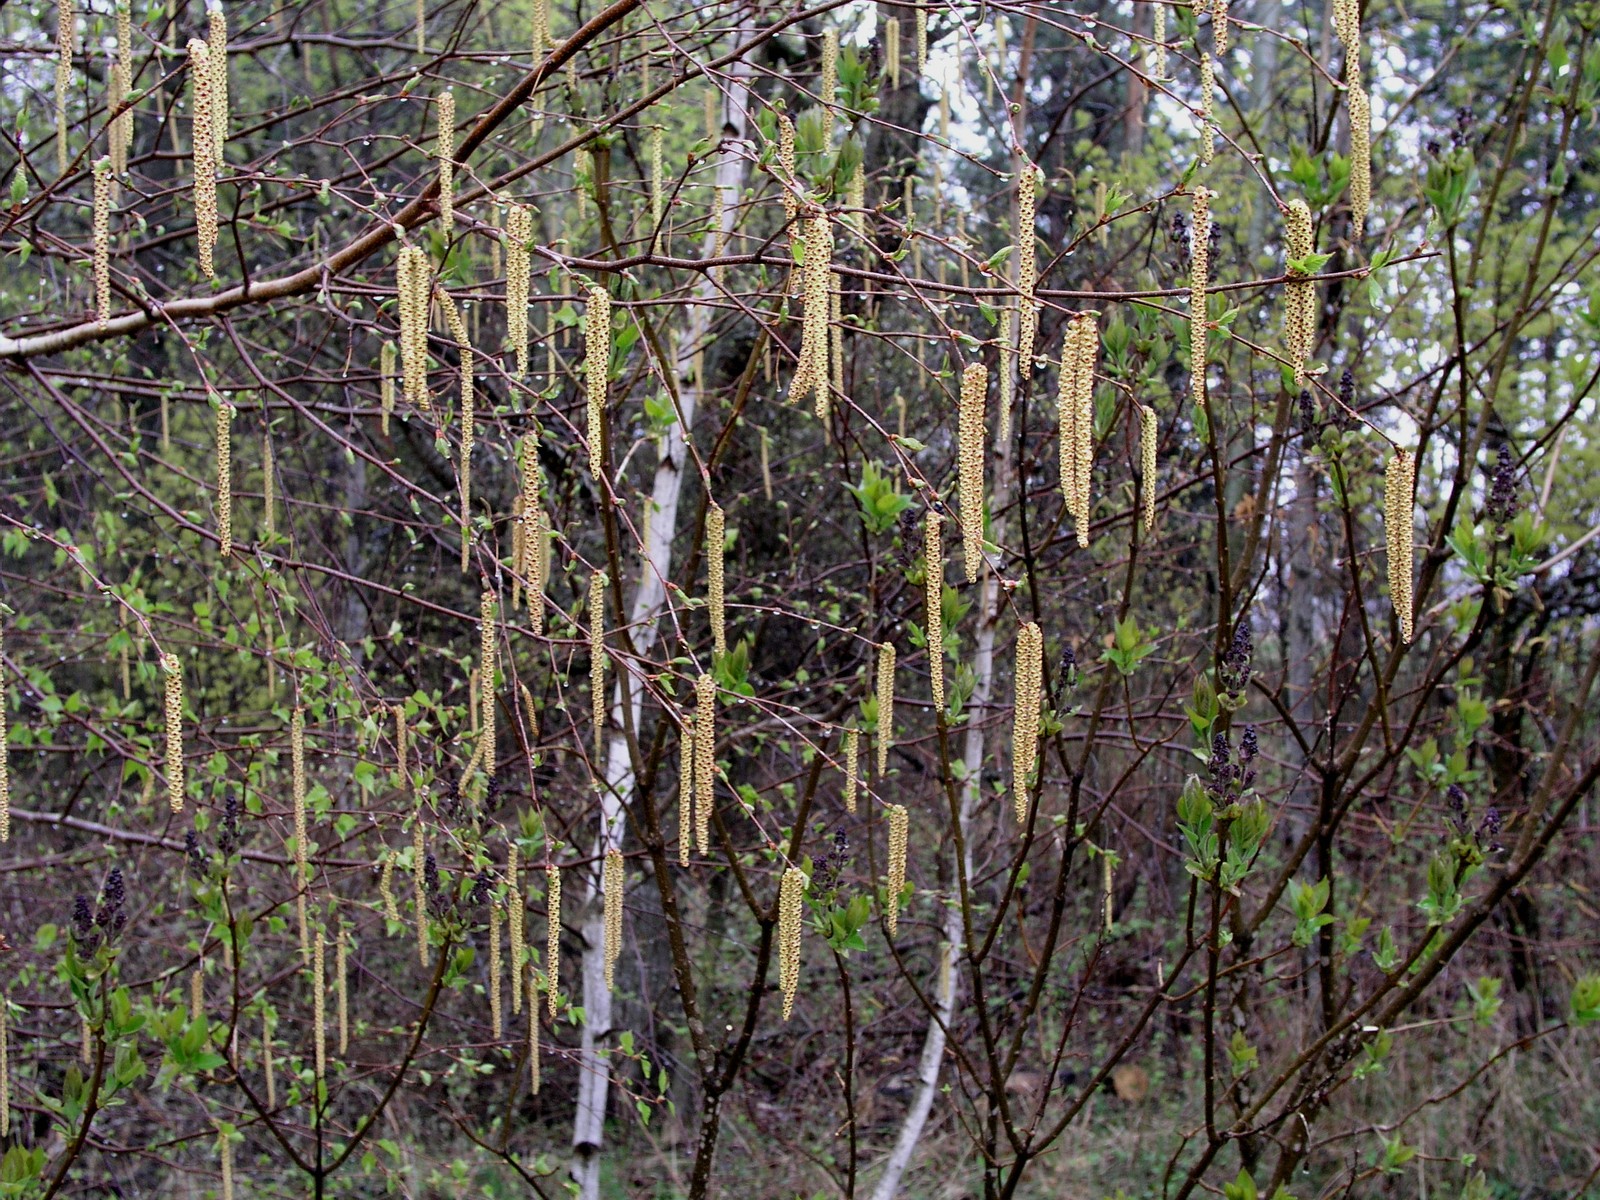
[[541, 27], [552, 951], [458, 333], [1219, 26], [885, 704], [828, 85], [1399, 482], [1147, 464], [685, 788], [486, 678], [1347, 24], [266, 1061], [1299, 294], [66, 47], [1007, 379], [811, 372], [891, 50], [1027, 264], [341, 988], [852, 768], [319, 987], [516, 921], [1075, 411], [496, 1016], [174, 714], [1025, 715], [202, 80], [225, 478], [419, 893], [445, 152], [120, 134], [933, 604], [519, 270], [974, 387], [786, 181], [391, 907], [412, 288], [104, 181], [297, 775], [899, 836], [269, 498], [225, 1161], [1208, 109], [197, 993], [791, 897], [5, 1067], [596, 368], [1158, 41], [705, 757], [835, 350], [386, 361], [597, 657], [5, 759], [716, 541], [922, 39], [612, 885], [217, 44], [1199, 280]]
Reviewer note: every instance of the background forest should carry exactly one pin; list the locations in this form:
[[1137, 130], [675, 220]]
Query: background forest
[[826, 599]]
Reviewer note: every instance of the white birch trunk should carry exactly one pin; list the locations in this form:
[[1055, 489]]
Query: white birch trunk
[[588, 1129]]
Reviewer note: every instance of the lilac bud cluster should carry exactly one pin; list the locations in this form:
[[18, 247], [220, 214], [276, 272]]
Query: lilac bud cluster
[[95, 925]]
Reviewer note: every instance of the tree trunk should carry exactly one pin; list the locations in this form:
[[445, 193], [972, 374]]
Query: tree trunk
[[588, 1130]]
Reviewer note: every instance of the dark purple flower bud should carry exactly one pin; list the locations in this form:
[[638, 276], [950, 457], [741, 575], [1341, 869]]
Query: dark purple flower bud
[[1502, 506], [1234, 674], [82, 919], [1308, 412], [1248, 746], [198, 859]]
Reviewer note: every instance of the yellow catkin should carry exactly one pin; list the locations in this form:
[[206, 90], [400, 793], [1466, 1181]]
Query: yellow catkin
[[552, 951], [297, 778], [319, 988], [811, 372], [516, 914], [266, 1062], [786, 163], [1025, 715], [1399, 483], [835, 351], [412, 287], [104, 181], [486, 657], [341, 987], [1219, 26], [519, 268], [612, 884], [533, 1039], [391, 907], [269, 492], [1148, 433], [855, 199], [828, 85], [1158, 41], [534, 544], [1199, 281], [496, 1016], [716, 541], [791, 903], [885, 704], [445, 152], [5, 1067], [685, 788], [225, 478], [1027, 264], [1078, 449], [596, 367], [658, 194], [705, 757], [85, 1041], [1299, 294], [1208, 109], [197, 993], [458, 332], [597, 656], [225, 1162], [1360, 153], [974, 389], [202, 81], [1007, 379], [541, 26], [1105, 857], [899, 837], [217, 43], [852, 768], [5, 752], [120, 133], [66, 47], [891, 50], [386, 364], [419, 895], [174, 714], [933, 606]]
